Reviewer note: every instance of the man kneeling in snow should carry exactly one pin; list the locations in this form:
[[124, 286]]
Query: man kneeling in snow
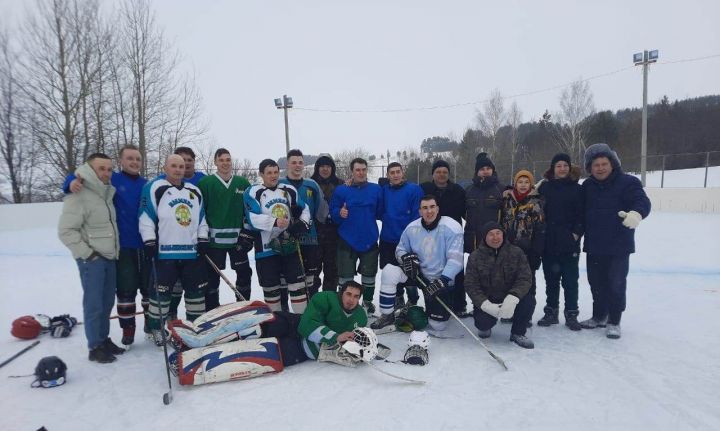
[[243, 340]]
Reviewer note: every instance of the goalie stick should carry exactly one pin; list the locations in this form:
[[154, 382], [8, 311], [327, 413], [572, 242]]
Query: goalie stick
[[441, 302], [234, 289], [395, 376]]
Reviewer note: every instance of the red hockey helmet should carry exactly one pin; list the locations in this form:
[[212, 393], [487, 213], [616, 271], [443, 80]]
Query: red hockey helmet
[[26, 327]]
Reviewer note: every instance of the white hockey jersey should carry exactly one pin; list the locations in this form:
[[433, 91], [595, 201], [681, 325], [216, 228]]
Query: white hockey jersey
[[174, 216], [264, 205]]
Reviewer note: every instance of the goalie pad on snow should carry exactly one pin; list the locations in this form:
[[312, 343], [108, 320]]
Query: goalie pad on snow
[[237, 360], [230, 322]]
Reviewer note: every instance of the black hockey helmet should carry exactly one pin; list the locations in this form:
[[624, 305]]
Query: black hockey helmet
[[49, 372]]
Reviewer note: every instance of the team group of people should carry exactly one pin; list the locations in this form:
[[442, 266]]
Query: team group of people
[[169, 237]]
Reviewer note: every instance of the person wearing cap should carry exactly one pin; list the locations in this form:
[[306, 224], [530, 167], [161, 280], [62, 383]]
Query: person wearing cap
[[523, 221], [615, 204], [483, 200], [324, 175], [451, 200], [563, 229], [498, 279]]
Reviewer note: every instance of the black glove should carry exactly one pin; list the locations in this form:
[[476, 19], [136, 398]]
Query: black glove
[[150, 248], [297, 227], [410, 265], [61, 326], [438, 285], [202, 246], [295, 211], [245, 241]]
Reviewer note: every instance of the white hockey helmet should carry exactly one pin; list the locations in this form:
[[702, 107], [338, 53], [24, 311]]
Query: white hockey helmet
[[364, 344], [419, 338]]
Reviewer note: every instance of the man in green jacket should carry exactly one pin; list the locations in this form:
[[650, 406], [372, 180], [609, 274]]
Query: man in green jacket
[[88, 228], [223, 194]]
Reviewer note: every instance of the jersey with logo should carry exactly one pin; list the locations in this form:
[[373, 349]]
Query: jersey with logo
[[223, 208], [174, 216], [311, 194], [264, 205]]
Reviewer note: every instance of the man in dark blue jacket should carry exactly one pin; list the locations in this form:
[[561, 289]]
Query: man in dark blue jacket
[[615, 203], [355, 209]]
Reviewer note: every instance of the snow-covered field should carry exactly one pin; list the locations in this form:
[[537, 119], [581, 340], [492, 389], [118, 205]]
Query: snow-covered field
[[663, 374]]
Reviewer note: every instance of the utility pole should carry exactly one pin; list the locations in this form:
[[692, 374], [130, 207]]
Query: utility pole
[[285, 103], [644, 58]]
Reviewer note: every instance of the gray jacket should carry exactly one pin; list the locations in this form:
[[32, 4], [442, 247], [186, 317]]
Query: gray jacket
[[87, 222]]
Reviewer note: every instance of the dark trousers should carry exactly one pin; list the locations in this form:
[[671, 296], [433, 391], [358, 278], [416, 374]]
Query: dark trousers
[[327, 238], [563, 269], [434, 310], [192, 276], [285, 328], [133, 275], [458, 303], [238, 263], [523, 313], [607, 276]]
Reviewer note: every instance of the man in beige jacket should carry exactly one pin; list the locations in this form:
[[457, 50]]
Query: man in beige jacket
[[88, 228]]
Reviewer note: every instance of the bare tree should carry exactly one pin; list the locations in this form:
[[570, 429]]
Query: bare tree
[[247, 169], [344, 157], [491, 119], [514, 119], [570, 130]]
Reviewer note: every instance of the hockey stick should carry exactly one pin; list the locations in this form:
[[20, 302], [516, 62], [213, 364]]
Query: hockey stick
[[7, 361], [167, 396], [441, 302], [137, 313], [234, 289], [395, 376]]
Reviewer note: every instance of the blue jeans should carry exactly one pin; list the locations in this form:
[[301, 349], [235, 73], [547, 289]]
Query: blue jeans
[[98, 282]]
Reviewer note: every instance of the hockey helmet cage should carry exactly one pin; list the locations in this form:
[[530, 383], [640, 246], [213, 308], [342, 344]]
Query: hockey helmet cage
[[416, 355], [26, 327], [419, 338], [364, 344], [50, 372]]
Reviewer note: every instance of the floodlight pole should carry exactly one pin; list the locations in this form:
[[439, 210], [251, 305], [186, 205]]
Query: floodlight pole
[[285, 103], [645, 61]]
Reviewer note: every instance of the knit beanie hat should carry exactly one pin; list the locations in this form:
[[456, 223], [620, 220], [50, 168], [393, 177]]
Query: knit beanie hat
[[524, 173], [600, 150], [558, 158], [440, 164], [482, 160]]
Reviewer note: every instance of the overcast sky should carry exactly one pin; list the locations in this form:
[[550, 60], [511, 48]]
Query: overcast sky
[[379, 55]]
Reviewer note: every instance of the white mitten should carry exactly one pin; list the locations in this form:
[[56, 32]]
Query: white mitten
[[507, 308], [631, 219], [490, 308]]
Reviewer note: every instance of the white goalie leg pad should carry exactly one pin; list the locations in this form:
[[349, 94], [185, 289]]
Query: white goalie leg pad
[[390, 277], [223, 324], [238, 360]]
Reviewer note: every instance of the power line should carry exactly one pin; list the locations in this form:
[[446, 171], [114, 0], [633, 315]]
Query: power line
[[479, 102]]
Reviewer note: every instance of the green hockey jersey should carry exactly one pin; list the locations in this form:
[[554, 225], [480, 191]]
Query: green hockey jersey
[[324, 319], [223, 208]]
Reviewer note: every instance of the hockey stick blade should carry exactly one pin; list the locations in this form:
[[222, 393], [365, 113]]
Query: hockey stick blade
[[441, 302], [395, 376], [167, 398]]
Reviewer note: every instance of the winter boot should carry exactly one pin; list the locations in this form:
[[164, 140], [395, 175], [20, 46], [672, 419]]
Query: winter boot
[[337, 355], [383, 321], [484, 334], [462, 313], [522, 341], [592, 323], [101, 356], [128, 335], [571, 320], [112, 348], [369, 307], [612, 331], [551, 317]]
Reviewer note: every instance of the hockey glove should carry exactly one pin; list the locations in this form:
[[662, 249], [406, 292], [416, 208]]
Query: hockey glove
[[438, 285], [295, 211], [298, 227], [150, 248], [202, 246], [61, 326], [245, 241], [490, 308], [411, 265], [507, 308], [631, 219]]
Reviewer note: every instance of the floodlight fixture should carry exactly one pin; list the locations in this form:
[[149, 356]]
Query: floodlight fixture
[[637, 59], [278, 103]]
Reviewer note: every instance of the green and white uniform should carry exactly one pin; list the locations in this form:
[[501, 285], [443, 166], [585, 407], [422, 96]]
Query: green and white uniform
[[324, 319], [223, 208]]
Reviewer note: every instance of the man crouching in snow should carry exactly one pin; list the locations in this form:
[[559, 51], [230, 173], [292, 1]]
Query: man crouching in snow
[[88, 228]]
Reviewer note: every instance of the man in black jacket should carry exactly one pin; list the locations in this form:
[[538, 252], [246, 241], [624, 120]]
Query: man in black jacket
[[483, 200], [451, 200]]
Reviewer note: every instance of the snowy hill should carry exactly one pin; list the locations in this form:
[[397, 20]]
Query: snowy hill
[[662, 374]]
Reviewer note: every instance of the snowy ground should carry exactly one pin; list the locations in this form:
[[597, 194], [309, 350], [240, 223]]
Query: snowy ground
[[664, 373]]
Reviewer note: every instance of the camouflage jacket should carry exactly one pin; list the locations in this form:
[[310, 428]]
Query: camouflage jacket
[[493, 274]]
